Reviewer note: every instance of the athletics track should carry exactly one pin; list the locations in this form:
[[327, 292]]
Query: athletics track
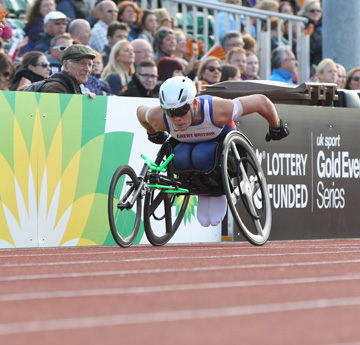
[[295, 292]]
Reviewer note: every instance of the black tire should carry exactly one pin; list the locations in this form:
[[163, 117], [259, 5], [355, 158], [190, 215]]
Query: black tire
[[244, 180], [124, 222], [161, 218]]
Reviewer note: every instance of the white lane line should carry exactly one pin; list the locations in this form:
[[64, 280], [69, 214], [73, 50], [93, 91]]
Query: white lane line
[[120, 251], [26, 296], [171, 270], [173, 315], [167, 258]]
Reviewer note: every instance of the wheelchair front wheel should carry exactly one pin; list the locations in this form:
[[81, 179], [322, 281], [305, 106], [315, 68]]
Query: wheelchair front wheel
[[163, 214], [124, 219], [244, 179]]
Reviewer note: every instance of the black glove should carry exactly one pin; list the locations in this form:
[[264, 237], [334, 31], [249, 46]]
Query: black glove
[[277, 133], [158, 137]]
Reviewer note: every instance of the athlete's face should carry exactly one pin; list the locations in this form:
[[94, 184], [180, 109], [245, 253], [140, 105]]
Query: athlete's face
[[182, 123]]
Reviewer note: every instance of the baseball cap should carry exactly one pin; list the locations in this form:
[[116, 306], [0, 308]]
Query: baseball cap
[[77, 52], [55, 15]]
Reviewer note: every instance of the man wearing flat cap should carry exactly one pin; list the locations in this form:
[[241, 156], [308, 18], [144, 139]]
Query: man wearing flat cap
[[77, 62]]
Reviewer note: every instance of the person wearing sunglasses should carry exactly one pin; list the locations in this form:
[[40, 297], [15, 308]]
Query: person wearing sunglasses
[[34, 67], [353, 79], [199, 124], [7, 72], [57, 45], [107, 13], [311, 9], [55, 23], [209, 72]]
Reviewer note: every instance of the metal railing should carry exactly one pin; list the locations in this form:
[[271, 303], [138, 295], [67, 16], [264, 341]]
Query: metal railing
[[253, 20]]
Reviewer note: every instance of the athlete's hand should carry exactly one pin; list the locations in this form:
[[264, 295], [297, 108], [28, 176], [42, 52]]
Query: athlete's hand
[[277, 133], [158, 137]]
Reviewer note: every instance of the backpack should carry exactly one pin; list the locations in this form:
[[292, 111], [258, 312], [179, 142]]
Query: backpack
[[37, 86]]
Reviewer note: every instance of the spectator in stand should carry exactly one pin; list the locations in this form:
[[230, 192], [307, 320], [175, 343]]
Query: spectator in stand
[[286, 8], [164, 43], [224, 16], [250, 44], [116, 32], [95, 84], [73, 8], [120, 68], [192, 57], [77, 66], [232, 39], [107, 13], [94, 14], [252, 67], [312, 10], [35, 21], [326, 71], [169, 67], [34, 67], [353, 79], [143, 82], [55, 23], [7, 71], [268, 5], [131, 14], [283, 65], [142, 50], [163, 18], [80, 30], [237, 57], [57, 45], [148, 26], [341, 76], [6, 29], [294, 4], [209, 72], [275, 35], [230, 72]]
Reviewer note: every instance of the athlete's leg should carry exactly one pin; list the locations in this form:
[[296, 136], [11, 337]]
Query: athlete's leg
[[182, 156], [203, 155], [217, 209], [203, 210]]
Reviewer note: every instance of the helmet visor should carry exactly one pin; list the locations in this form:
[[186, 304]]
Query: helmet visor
[[177, 112]]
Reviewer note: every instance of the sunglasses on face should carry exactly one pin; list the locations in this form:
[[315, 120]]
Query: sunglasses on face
[[60, 23], [60, 47], [213, 68], [355, 78], [43, 64], [176, 112], [314, 11], [111, 11], [6, 74]]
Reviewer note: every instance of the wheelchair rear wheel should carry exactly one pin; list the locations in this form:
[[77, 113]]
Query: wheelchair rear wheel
[[124, 219], [244, 180]]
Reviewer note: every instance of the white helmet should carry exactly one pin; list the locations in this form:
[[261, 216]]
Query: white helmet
[[175, 93]]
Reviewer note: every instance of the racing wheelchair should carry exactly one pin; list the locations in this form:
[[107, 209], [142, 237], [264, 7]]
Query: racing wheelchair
[[237, 173]]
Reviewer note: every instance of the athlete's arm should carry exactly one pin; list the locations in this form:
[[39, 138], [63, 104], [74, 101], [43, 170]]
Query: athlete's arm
[[226, 110], [151, 118]]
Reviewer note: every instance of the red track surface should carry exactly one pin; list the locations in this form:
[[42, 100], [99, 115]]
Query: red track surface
[[303, 292]]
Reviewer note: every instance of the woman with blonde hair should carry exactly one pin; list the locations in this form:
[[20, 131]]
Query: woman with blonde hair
[[120, 68], [209, 72], [326, 71]]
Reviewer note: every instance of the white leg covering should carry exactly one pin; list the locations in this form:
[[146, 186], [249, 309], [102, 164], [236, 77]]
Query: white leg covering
[[203, 210], [217, 209]]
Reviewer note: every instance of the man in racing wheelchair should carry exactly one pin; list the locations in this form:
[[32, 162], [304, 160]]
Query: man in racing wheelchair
[[199, 124]]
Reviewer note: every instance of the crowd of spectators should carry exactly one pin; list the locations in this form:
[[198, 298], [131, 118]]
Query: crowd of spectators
[[134, 50]]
